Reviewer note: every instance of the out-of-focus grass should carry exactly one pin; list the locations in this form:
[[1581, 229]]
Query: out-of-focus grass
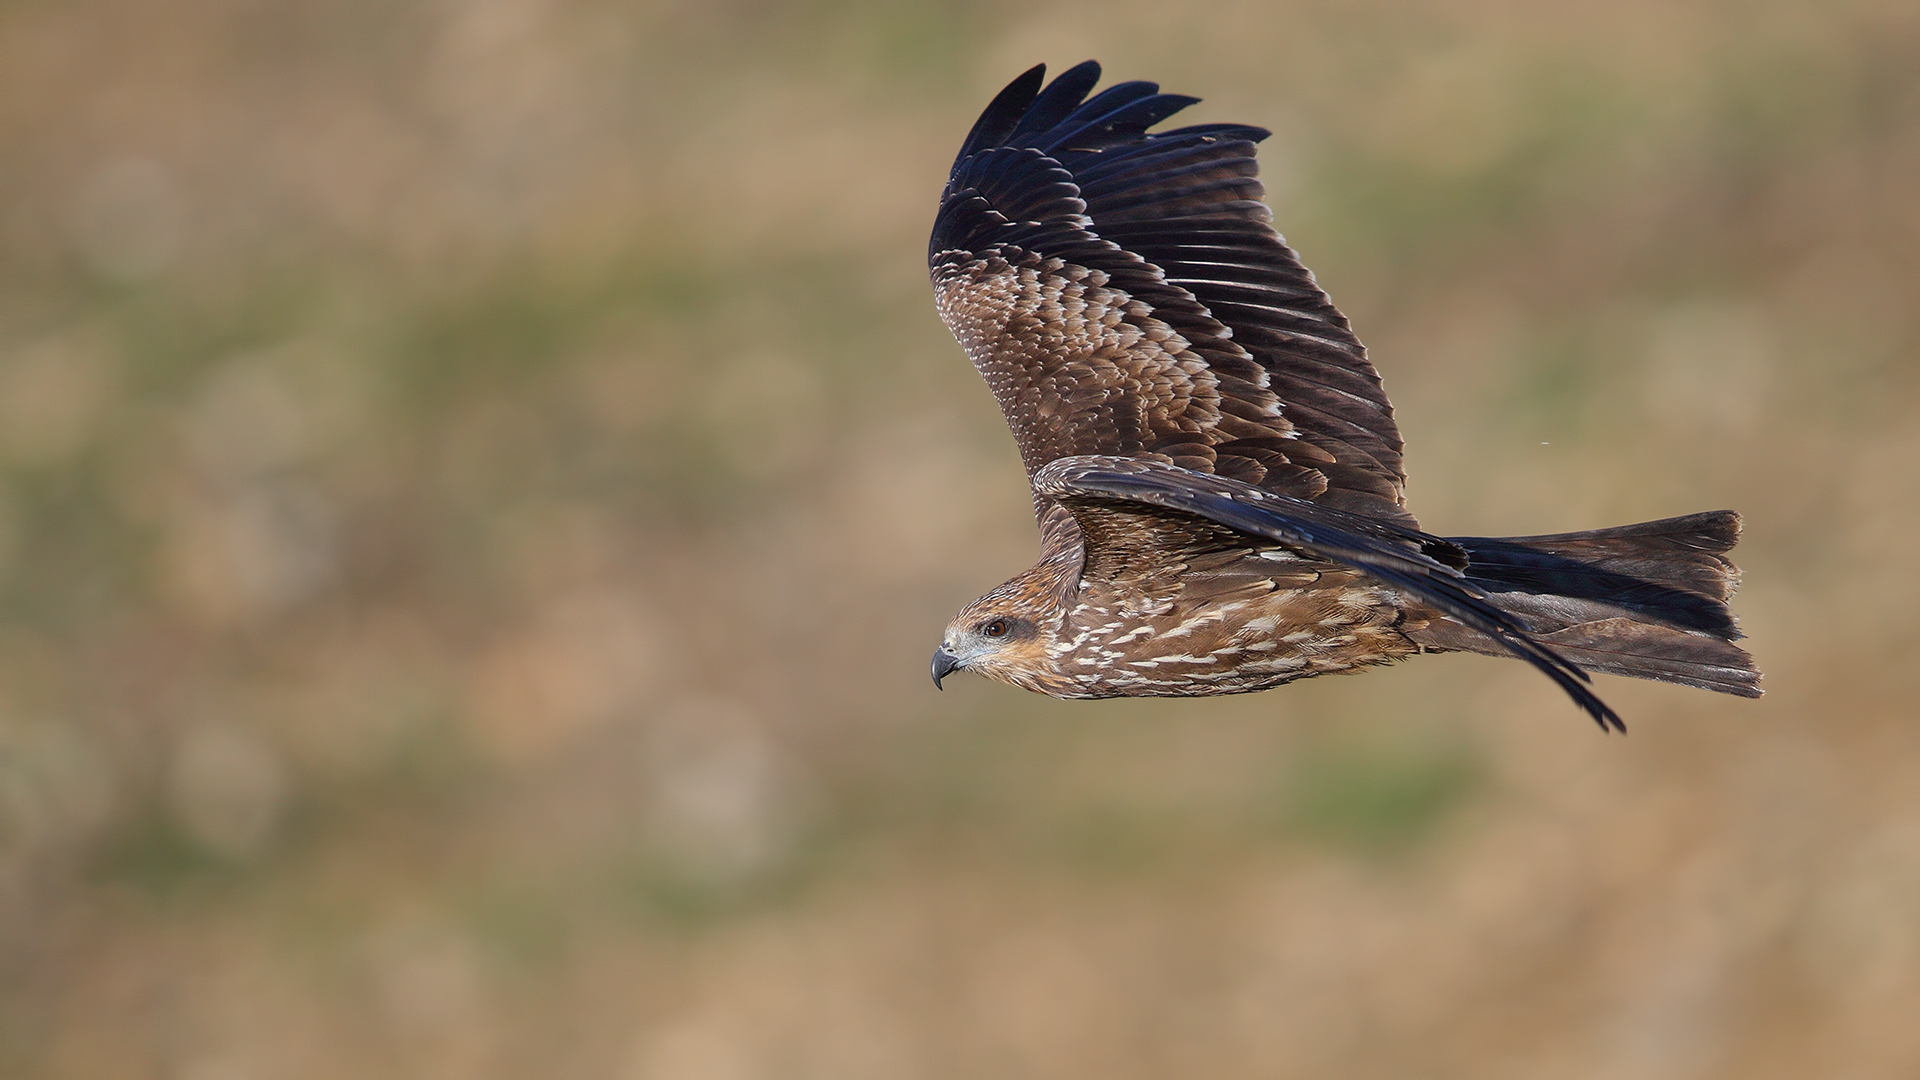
[[478, 486], [1375, 797]]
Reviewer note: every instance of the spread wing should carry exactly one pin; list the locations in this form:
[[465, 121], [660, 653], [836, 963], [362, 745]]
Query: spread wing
[[1139, 516], [1124, 293]]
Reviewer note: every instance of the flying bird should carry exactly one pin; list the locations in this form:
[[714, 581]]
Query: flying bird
[[1215, 467]]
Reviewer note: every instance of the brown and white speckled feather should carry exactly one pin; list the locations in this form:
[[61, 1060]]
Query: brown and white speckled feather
[[1082, 367], [1215, 466], [1232, 362]]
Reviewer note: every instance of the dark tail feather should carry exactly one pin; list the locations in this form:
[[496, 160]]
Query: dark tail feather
[[1647, 600]]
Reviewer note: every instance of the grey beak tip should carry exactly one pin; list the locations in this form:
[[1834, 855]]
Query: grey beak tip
[[944, 664]]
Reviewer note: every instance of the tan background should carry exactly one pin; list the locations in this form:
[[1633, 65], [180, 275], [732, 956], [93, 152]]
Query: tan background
[[480, 483]]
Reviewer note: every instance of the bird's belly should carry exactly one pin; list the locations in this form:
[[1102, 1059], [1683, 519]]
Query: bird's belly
[[1235, 647]]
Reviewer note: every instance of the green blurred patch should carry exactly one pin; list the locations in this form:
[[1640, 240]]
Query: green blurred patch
[[524, 925], [1562, 382], [1429, 193], [1118, 840], [690, 891], [1380, 798], [681, 896], [155, 857], [908, 44], [683, 899]]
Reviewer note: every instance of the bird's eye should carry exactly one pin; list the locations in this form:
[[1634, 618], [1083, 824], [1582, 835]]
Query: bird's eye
[[996, 628]]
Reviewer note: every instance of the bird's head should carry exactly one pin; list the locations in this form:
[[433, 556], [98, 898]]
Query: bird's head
[[1005, 635]]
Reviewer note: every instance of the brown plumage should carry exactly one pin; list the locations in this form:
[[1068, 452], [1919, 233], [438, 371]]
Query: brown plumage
[[1214, 464]]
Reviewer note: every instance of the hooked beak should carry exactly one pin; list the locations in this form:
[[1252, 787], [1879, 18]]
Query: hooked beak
[[944, 664]]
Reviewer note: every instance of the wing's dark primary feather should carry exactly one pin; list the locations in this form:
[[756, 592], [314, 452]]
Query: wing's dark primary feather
[[1424, 566], [1053, 183]]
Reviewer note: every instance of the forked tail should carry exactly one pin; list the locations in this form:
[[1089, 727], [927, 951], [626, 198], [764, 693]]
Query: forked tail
[[1647, 600]]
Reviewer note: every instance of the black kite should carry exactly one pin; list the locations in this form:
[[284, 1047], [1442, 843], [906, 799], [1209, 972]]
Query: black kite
[[1214, 464]]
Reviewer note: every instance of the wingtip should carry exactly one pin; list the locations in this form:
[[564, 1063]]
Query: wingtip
[[1083, 69], [1565, 672], [1003, 113]]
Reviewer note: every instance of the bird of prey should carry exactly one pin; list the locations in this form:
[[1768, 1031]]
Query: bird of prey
[[1214, 464]]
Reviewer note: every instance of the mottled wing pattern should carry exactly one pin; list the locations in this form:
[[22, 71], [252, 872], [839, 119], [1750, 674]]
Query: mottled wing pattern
[[1124, 293], [1142, 518]]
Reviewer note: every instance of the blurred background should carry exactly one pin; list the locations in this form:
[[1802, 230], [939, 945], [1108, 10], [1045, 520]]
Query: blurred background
[[480, 483]]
